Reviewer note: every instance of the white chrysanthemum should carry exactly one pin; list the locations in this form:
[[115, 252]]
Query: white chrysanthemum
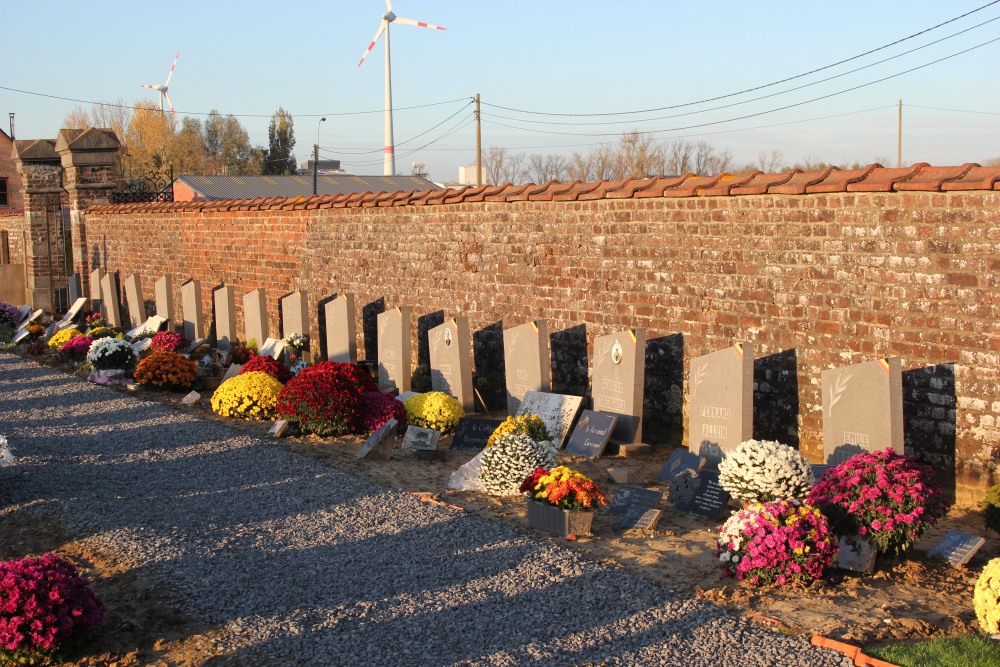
[[512, 458], [764, 470], [111, 353], [6, 456]]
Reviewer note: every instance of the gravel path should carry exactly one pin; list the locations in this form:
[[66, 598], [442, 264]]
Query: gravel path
[[304, 564]]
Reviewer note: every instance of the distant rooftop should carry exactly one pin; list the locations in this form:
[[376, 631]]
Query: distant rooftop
[[212, 188]]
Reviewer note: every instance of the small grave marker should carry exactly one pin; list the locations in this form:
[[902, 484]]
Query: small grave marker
[[50, 331], [417, 438], [273, 347], [558, 411], [20, 335], [29, 319], [195, 345], [627, 496], [472, 434], [862, 409], [957, 547], [232, 371], [141, 346], [279, 428], [856, 554], [624, 475], [191, 399], [151, 325], [679, 461], [402, 398], [379, 444], [638, 517], [818, 470], [708, 500], [592, 433]]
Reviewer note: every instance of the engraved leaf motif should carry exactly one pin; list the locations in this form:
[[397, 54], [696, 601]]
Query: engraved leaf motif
[[699, 377], [837, 390]]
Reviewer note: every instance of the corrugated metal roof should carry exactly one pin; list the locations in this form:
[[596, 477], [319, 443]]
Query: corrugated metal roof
[[255, 187]]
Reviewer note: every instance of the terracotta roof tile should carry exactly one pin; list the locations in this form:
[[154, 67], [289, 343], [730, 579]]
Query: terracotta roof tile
[[692, 186], [507, 191], [550, 193], [602, 189], [630, 187], [761, 183], [539, 191], [727, 183], [930, 179], [575, 191], [883, 179], [977, 178], [660, 184], [837, 180]]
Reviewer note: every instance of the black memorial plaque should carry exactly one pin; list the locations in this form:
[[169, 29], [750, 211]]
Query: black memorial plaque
[[628, 496], [680, 461], [709, 498], [592, 432], [472, 434]]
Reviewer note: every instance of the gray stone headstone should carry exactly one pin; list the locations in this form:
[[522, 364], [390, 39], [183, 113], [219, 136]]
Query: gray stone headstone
[[20, 335], [624, 475], [627, 496], [637, 517], [30, 318], [96, 300], [341, 334], [232, 371], [721, 402], [23, 313], [379, 444], [255, 316], [224, 304], [558, 411], [619, 374], [73, 289], [150, 326], [957, 548], [141, 346], [294, 308], [862, 409], [527, 361], [679, 461], [273, 347], [451, 364], [194, 322], [50, 331], [134, 302], [165, 300], [592, 433], [73, 313], [394, 349], [109, 294], [856, 554], [708, 499]]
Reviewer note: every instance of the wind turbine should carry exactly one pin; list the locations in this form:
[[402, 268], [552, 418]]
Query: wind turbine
[[162, 89], [389, 162]]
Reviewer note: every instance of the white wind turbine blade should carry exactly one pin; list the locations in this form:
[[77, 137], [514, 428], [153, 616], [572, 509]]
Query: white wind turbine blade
[[388, 5], [171, 73], [169, 104], [419, 24], [381, 28]]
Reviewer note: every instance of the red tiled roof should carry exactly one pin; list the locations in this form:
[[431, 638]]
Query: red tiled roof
[[11, 212], [920, 177]]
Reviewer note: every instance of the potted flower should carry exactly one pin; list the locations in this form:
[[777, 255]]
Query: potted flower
[[95, 321], [111, 358], [561, 500]]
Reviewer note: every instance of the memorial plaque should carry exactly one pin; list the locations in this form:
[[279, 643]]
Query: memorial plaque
[[96, 300], [22, 315], [109, 295], [637, 517], [394, 372], [194, 323], [255, 316], [150, 326], [272, 347], [165, 300], [279, 428], [224, 305], [20, 335], [624, 475], [862, 409], [73, 312], [683, 487], [472, 434], [627, 496], [558, 411], [406, 395], [421, 438], [679, 461], [856, 554], [527, 362], [818, 470], [592, 432], [341, 334], [191, 399], [619, 374], [134, 302], [451, 363], [141, 346], [708, 500], [294, 308], [232, 371], [957, 548], [195, 344], [379, 444], [720, 414]]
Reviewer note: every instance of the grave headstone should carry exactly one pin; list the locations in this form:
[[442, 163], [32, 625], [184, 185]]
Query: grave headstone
[[957, 547], [862, 409], [421, 438], [273, 347], [194, 323], [279, 428], [558, 411], [856, 554], [191, 398], [165, 300], [708, 500], [141, 346], [721, 401], [294, 308], [195, 344], [818, 470], [624, 475], [134, 302], [74, 311], [30, 319], [152, 325], [50, 331], [592, 433], [451, 364], [20, 336], [637, 517], [472, 434], [527, 361], [341, 334], [394, 349], [96, 301], [619, 375], [255, 316], [73, 289], [109, 295], [379, 444], [224, 305], [628, 496], [232, 371], [683, 486], [405, 395], [22, 314], [681, 460]]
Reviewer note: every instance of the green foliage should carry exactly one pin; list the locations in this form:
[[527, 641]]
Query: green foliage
[[6, 334], [281, 141], [947, 652], [991, 509], [25, 657]]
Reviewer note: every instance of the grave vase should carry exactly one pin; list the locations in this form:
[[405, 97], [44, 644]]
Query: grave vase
[[551, 519]]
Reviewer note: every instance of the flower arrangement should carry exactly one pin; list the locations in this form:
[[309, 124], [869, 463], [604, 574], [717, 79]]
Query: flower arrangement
[[166, 370], [436, 410], [110, 353], [265, 363], [43, 601], [34, 347], [991, 509], [10, 315], [35, 330], [97, 333], [776, 542], [885, 497], [986, 598], [564, 488], [297, 341], [763, 470], [76, 348], [60, 337], [324, 399], [529, 425], [298, 365], [510, 460], [240, 353], [248, 395], [169, 341], [6, 454], [95, 321], [377, 408]]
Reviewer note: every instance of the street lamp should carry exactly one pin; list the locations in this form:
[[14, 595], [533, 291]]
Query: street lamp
[[316, 155]]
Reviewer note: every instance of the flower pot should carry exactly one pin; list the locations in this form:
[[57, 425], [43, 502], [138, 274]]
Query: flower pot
[[543, 516], [211, 383]]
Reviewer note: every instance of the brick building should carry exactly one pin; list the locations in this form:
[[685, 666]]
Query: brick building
[[11, 192]]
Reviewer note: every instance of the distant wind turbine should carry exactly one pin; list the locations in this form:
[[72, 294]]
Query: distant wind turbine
[[389, 162], [162, 89]]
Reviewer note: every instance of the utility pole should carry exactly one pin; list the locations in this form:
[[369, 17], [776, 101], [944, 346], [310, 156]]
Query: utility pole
[[479, 146], [899, 138], [316, 156]]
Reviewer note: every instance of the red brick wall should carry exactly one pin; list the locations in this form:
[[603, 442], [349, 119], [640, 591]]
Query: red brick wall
[[814, 281]]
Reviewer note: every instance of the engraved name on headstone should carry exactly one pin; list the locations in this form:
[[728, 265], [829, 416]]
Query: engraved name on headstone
[[721, 401], [224, 304], [527, 361], [394, 370], [862, 409], [558, 411], [472, 434], [341, 334], [134, 302], [592, 432], [619, 374], [708, 500], [194, 323], [451, 364], [255, 316]]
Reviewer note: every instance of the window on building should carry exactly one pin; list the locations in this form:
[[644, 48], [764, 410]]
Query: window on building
[[4, 248], [4, 200]]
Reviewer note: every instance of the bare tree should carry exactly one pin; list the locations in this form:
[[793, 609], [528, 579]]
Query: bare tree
[[770, 163], [545, 168], [500, 166], [638, 155], [679, 157], [992, 162], [579, 167]]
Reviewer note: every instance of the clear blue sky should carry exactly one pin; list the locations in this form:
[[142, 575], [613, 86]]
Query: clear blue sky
[[585, 57]]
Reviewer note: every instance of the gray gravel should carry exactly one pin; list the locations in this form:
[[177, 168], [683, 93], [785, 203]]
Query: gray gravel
[[304, 564]]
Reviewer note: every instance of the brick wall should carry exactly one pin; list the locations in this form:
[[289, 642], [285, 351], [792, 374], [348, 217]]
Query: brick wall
[[813, 280]]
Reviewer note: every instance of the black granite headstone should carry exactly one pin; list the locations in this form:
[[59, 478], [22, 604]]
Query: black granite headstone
[[472, 434], [679, 461], [627, 496], [709, 498], [592, 432]]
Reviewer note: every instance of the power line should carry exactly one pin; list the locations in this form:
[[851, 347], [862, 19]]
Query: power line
[[985, 113], [461, 125], [755, 88], [343, 151]]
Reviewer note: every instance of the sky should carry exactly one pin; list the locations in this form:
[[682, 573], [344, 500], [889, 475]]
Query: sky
[[540, 68]]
